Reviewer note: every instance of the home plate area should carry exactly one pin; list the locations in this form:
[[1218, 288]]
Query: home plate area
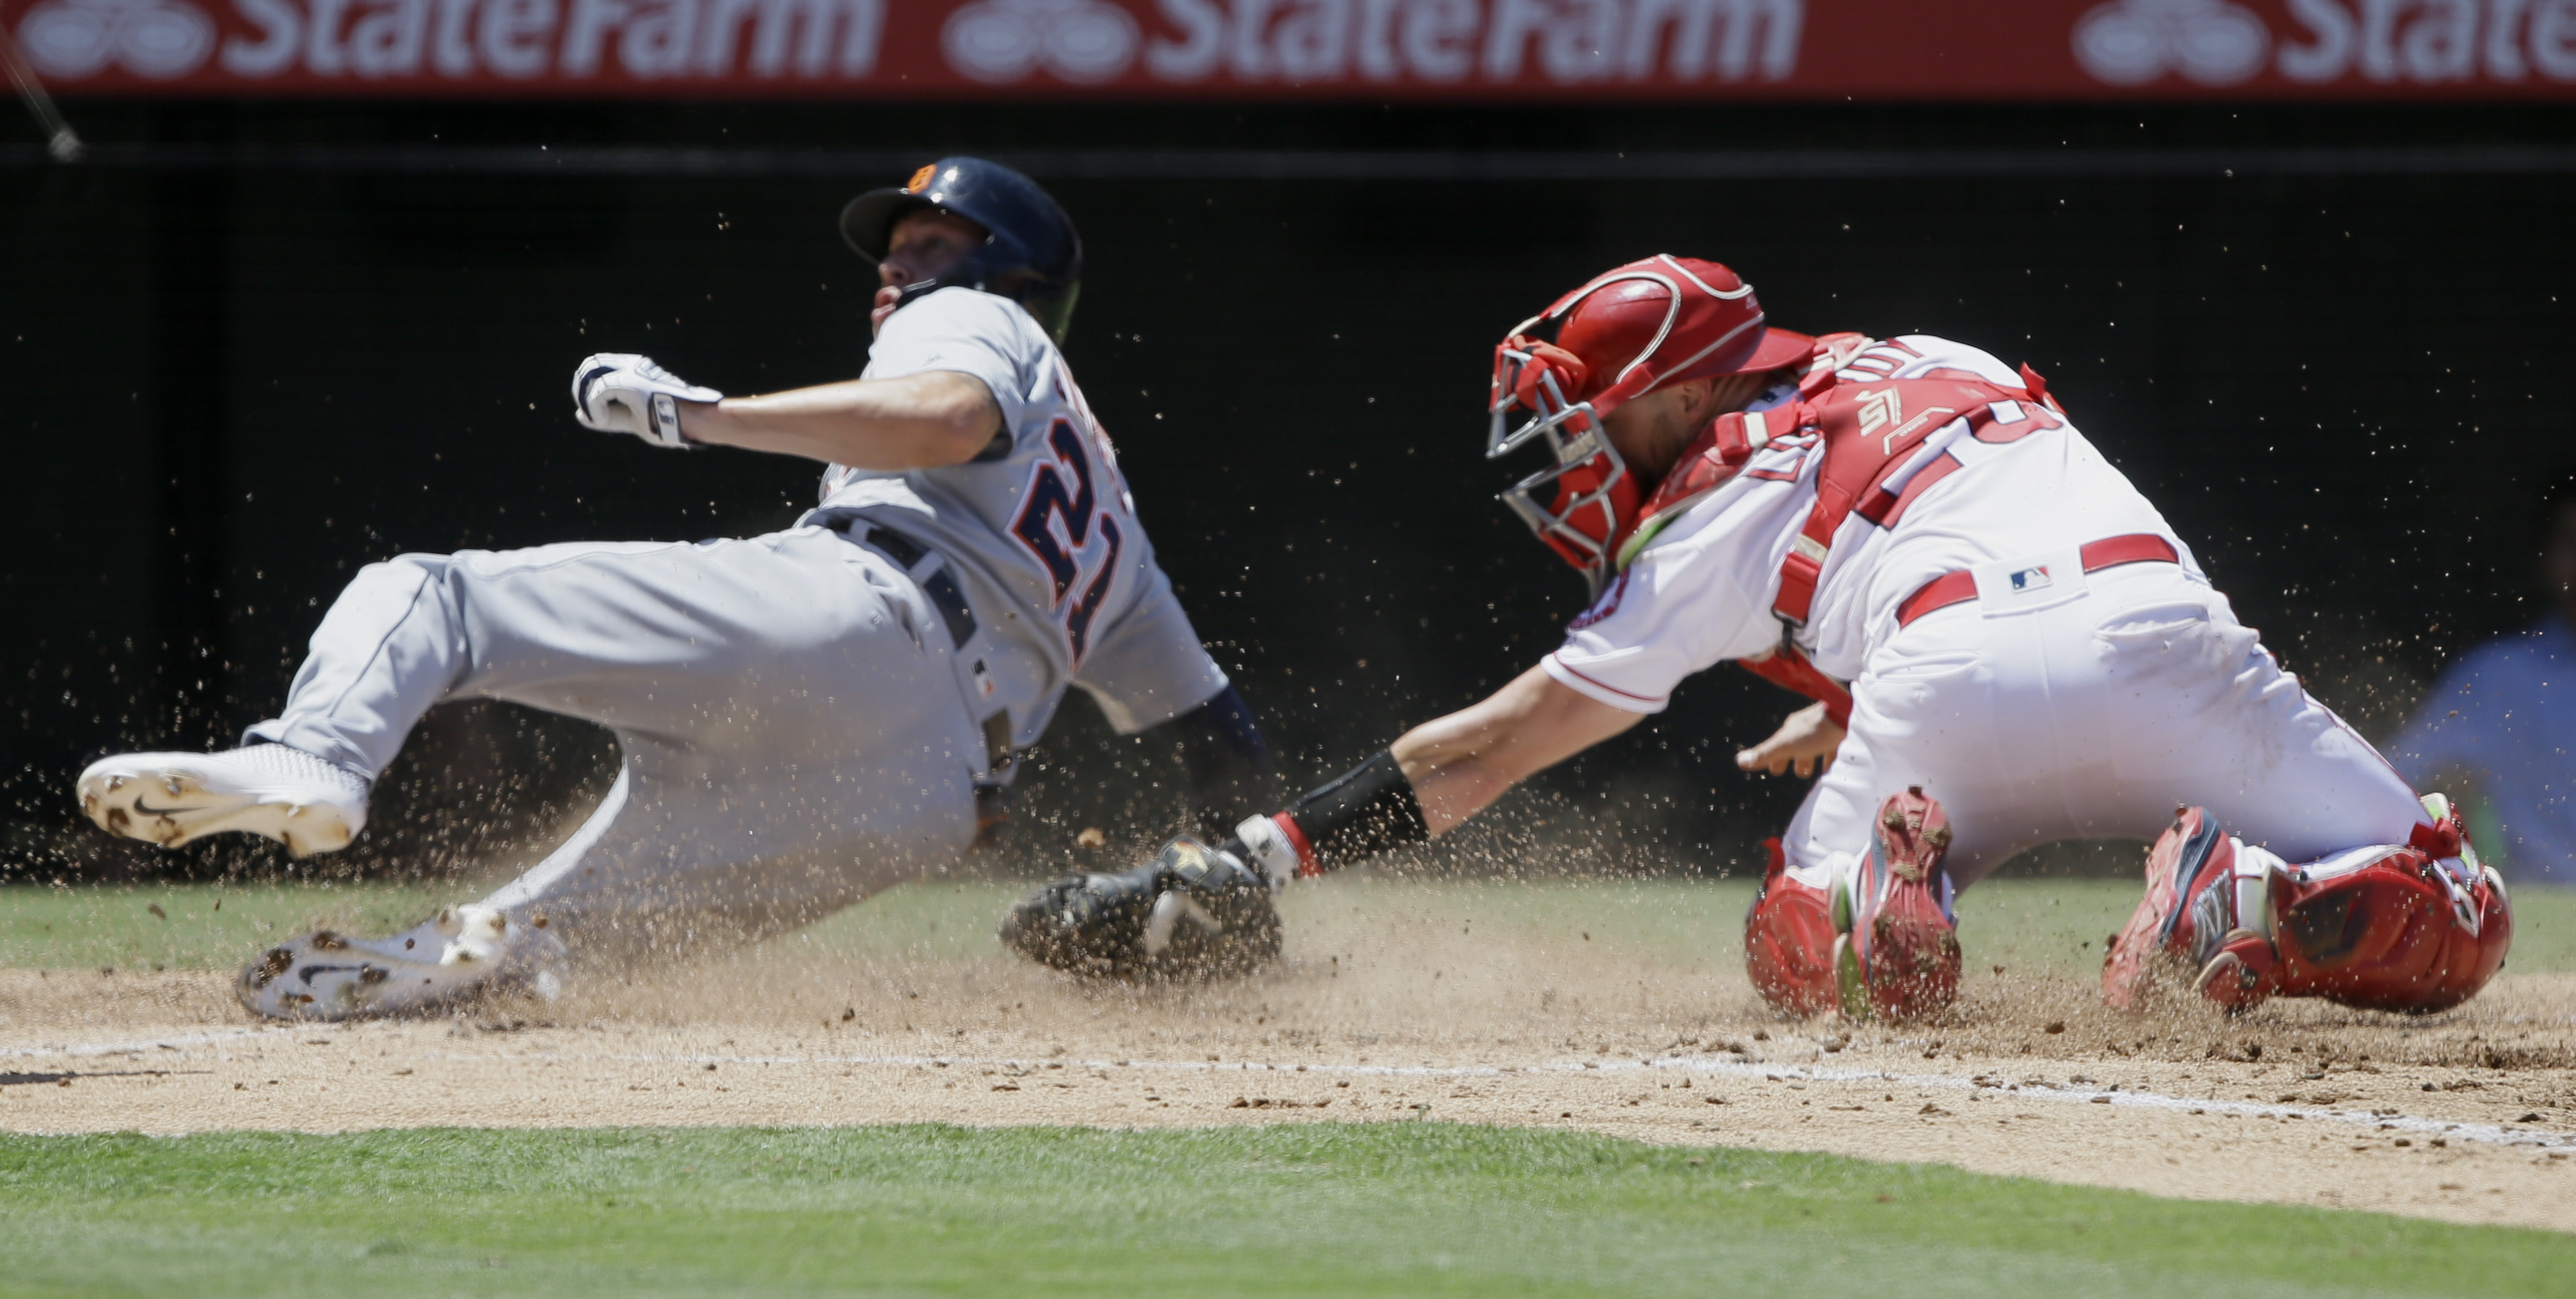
[[1613, 1007]]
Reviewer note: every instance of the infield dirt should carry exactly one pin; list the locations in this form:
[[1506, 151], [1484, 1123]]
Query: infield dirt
[[1596, 1007]]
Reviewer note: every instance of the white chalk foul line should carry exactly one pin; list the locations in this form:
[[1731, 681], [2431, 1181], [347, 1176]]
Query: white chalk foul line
[[2485, 1133], [152, 1043]]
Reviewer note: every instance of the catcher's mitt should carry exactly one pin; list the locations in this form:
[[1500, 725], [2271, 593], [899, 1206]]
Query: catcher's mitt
[[1194, 912]]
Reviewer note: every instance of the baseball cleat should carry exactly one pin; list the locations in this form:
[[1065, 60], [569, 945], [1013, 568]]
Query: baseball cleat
[[465, 951], [302, 801], [2189, 906], [1192, 912], [1896, 951]]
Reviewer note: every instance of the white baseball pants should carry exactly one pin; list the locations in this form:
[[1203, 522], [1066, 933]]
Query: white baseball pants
[[2093, 713], [792, 734]]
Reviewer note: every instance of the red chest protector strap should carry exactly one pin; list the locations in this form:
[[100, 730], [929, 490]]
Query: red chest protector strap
[[1871, 432], [1787, 667], [1718, 455]]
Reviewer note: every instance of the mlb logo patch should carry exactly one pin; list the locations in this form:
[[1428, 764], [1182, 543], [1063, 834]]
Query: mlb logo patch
[[2026, 583]]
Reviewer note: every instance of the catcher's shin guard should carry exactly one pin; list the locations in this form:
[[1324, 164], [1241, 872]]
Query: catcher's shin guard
[[2417, 927], [1789, 941], [1896, 951]]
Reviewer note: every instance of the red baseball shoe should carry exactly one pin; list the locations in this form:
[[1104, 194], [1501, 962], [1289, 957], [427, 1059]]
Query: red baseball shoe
[[2189, 892], [1896, 951]]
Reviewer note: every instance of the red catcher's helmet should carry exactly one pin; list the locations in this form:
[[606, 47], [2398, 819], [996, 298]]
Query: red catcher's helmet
[[1626, 333]]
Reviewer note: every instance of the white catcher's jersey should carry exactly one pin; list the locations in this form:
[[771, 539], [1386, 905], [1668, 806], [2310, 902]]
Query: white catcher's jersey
[[1040, 530], [1703, 590]]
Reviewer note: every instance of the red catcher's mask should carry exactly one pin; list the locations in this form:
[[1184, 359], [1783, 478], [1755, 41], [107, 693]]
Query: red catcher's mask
[[1626, 333]]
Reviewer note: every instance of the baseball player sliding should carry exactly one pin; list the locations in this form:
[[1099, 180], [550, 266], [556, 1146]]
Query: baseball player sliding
[[2006, 643], [805, 717]]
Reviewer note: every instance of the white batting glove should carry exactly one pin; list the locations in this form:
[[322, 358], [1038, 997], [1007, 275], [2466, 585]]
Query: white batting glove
[[620, 392]]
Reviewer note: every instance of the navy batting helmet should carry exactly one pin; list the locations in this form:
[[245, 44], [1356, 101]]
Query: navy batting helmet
[[1031, 254]]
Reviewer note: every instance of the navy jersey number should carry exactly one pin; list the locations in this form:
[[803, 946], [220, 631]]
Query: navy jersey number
[[1050, 507]]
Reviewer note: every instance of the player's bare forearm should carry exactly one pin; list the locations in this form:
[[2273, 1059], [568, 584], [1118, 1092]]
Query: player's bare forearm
[[921, 421], [1460, 763]]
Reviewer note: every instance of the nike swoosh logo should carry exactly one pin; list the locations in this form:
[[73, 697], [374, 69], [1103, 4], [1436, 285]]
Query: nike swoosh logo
[[141, 806]]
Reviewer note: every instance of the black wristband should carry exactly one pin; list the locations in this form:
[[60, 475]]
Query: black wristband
[[1362, 813]]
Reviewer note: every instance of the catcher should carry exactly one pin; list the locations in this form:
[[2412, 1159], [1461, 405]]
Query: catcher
[[2005, 643]]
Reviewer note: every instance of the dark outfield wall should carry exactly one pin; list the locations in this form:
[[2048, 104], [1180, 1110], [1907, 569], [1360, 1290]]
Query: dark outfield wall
[[228, 386]]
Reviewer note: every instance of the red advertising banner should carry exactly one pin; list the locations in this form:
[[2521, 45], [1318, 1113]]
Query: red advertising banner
[[1414, 50]]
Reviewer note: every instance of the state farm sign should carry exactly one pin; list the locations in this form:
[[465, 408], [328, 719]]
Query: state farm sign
[[428, 44], [2376, 42], [1372, 49]]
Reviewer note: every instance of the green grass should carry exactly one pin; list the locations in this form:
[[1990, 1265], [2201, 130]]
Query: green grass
[[1386, 1209], [200, 926], [2029, 926], [81, 928]]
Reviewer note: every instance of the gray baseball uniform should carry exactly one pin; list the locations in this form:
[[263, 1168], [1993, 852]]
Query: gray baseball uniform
[[1040, 529], [805, 717]]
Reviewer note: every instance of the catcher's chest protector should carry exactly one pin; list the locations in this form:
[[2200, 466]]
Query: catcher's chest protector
[[1884, 444]]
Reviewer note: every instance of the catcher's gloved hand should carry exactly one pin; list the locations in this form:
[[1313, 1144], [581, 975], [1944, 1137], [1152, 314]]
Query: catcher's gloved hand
[[1192, 912], [620, 392]]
